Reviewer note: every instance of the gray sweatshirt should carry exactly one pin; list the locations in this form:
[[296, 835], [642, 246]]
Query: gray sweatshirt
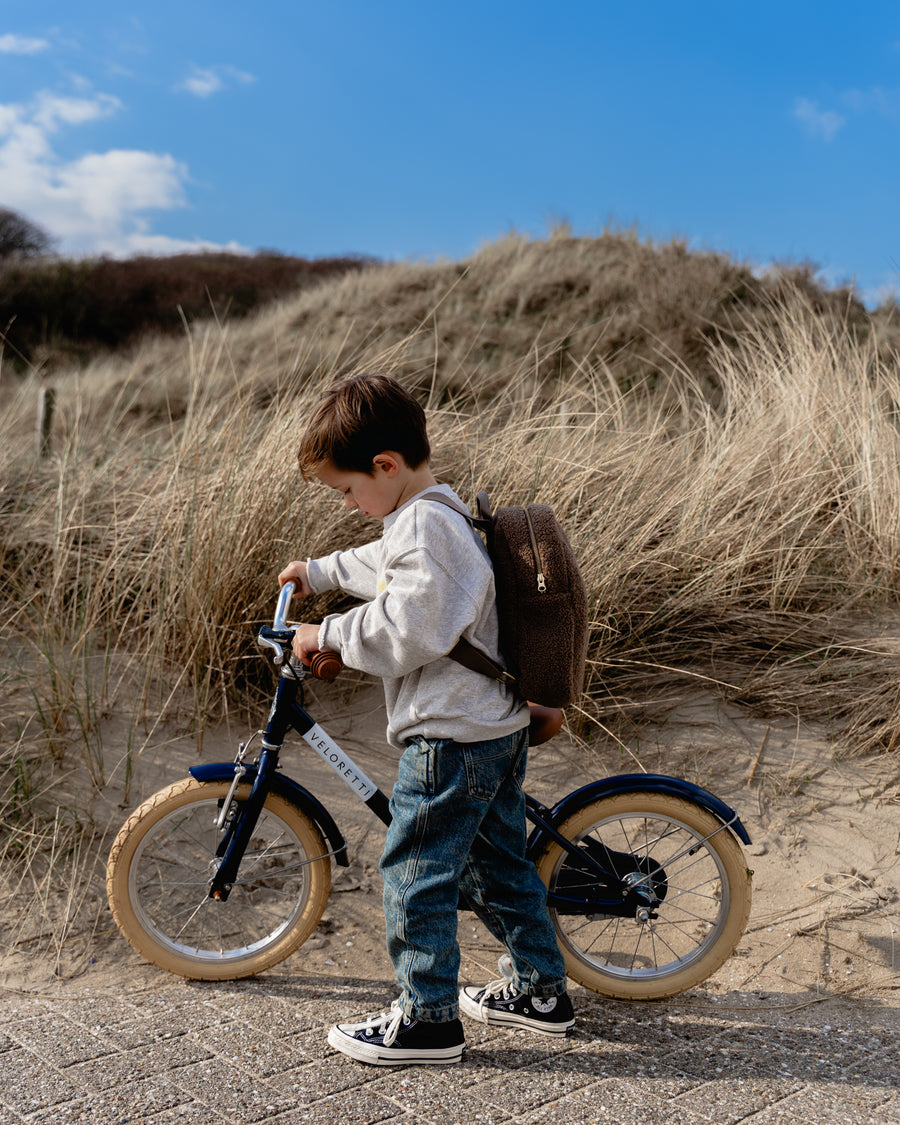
[[425, 583]]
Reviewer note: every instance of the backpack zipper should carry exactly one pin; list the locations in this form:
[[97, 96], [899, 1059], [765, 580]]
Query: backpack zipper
[[541, 581]]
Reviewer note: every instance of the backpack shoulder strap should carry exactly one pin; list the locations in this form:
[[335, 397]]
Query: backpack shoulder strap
[[476, 661], [463, 652], [480, 521], [483, 506]]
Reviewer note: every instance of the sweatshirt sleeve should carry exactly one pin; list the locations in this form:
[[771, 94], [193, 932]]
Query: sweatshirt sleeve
[[401, 629], [354, 571]]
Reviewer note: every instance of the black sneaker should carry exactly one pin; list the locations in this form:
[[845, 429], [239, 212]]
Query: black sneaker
[[501, 1005], [393, 1039]]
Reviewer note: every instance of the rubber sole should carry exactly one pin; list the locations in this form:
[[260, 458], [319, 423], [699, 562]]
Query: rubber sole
[[375, 1054], [495, 1018]]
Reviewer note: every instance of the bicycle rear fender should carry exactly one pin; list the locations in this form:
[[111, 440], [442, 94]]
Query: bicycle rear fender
[[292, 792], [635, 783]]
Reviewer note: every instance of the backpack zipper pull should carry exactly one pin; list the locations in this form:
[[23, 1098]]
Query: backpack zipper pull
[[539, 566]]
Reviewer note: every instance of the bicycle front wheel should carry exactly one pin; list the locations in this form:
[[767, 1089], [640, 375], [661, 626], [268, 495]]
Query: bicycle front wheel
[[158, 874], [691, 866]]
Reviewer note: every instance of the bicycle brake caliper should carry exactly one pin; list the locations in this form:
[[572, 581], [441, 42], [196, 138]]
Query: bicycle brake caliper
[[239, 771]]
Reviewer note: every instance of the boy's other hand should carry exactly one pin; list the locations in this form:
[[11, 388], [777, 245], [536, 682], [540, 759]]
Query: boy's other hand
[[306, 641], [296, 572]]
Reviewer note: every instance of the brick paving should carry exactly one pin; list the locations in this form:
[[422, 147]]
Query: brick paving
[[255, 1050]]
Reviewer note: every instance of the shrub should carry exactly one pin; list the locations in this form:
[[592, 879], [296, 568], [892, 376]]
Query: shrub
[[62, 307]]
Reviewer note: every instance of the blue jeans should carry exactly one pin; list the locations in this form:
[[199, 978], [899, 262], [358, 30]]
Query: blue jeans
[[458, 835]]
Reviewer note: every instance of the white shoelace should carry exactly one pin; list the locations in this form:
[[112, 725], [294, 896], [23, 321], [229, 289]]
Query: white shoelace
[[497, 990], [387, 1024]]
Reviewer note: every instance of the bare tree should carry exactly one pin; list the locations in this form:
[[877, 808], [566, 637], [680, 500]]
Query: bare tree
[[20, 236]]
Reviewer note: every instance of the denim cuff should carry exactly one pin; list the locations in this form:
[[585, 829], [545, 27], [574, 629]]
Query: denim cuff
[[444, 1014], [542, 992]]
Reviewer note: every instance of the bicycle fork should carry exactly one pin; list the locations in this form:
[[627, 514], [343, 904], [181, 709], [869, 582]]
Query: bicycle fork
[[239, 832]]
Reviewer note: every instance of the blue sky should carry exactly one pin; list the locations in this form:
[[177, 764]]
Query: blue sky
[[417, 130]]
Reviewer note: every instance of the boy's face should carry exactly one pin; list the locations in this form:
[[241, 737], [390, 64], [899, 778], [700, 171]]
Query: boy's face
[[376, 494]]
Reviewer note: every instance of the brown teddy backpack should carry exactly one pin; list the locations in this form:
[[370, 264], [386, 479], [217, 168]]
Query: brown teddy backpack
[[541, 603]]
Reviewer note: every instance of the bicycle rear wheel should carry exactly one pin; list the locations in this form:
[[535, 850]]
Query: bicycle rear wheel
[[158, 881], [694, 868]]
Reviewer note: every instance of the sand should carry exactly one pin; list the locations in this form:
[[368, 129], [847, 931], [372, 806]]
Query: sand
[[825, 853]]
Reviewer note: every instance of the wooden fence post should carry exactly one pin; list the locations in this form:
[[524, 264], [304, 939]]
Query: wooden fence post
[[46, 402]]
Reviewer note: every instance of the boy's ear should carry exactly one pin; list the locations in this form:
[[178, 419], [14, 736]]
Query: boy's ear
[[386, 462]]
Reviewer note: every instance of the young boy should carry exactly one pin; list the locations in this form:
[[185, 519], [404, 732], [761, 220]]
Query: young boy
[[458, 827]]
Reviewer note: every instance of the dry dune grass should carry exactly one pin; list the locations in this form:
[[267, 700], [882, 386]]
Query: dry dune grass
[[540, 311], [736, 522]]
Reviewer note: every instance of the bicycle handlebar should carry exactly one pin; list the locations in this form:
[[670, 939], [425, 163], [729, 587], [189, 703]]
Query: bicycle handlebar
[[284, 600], [324, 665]]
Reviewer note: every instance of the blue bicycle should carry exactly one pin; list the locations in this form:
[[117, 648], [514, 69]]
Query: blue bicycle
[[227, 872]]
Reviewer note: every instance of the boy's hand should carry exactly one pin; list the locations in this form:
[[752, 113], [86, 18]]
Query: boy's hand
[[306, 641], [296, 572]]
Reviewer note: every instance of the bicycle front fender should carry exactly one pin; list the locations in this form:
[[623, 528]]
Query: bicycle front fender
[[290, 791], [635, 783]]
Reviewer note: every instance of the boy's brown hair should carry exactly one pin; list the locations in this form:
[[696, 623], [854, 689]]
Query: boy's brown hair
[[359, 418]]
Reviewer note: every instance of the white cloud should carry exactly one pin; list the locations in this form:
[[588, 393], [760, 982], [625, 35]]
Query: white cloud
[[50, 110], [95, 203], [203, 82], [881, 100], [824, 124], [110, 186], [145, 243], [21, 45], [879, 294]]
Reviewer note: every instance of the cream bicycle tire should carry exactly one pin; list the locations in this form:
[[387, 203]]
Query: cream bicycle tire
[[700, 918], [157, 884]]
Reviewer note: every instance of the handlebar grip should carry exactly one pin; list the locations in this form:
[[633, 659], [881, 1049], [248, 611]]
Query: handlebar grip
[[325, 665]]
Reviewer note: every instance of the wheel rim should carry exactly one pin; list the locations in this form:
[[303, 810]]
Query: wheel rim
[[691, 915], [169, 886]]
